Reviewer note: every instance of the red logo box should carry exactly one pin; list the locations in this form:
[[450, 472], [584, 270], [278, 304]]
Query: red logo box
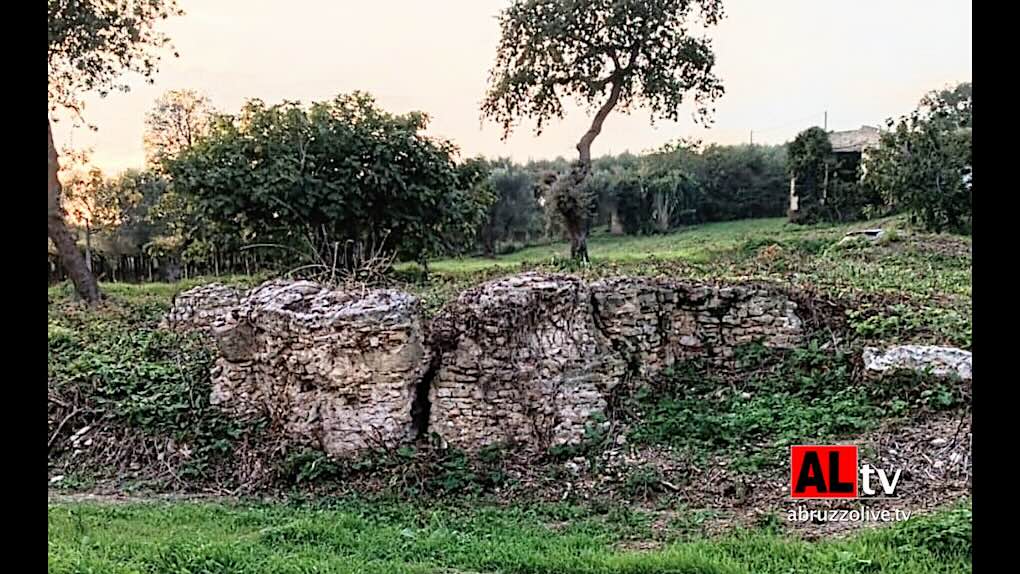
[[828, 471]]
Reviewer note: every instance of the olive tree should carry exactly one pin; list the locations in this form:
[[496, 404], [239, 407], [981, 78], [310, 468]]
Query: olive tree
[[605, 55]]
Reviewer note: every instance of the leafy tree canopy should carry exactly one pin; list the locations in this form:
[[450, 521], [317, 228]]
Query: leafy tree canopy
[[175, 122], [342, 170], [924, 163], [93, 42], [552, 49]]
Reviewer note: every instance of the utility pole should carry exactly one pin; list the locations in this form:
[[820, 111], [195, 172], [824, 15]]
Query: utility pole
[[825, 125], [752, 137]]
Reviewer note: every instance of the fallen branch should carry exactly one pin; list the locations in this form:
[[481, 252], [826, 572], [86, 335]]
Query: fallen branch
[[670, 485], [60, 427]]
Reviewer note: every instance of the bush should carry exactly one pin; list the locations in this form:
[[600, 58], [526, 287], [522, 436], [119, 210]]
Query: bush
[[336, 172], [948, 534], [923, 166]]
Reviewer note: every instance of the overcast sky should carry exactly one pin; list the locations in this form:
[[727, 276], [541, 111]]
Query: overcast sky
[[783, 64]]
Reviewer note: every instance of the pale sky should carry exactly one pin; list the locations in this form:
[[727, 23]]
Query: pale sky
[[783, 64]]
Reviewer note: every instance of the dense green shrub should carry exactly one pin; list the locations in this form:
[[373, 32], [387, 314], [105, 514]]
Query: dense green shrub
[[339, 171], [924, 165]]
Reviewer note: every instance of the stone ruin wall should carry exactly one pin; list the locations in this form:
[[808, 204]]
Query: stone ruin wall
[[530, 358], [200, 308], [337, 370], [522, 362], [525, 360]]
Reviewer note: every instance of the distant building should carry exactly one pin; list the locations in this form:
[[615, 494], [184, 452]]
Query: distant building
[[850, 148]]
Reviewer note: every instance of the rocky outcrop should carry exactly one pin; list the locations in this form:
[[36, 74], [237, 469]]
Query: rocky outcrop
[[939, 361], [335, 369], [200, 308]]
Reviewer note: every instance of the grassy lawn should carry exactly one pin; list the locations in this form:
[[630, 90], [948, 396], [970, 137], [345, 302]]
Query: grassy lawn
[[400, 537], [696, 244], [907, 287]]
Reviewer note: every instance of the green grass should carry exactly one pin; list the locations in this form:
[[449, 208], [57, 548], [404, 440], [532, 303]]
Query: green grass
[[157, 293], [395, 537], [696, 244], [907, 287]]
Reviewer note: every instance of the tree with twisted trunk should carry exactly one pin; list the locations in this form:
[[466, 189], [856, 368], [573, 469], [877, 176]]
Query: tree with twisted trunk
[[606, 55], [91, 44]]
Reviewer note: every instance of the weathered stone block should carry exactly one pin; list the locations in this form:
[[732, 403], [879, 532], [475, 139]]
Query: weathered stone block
[[337, 370]]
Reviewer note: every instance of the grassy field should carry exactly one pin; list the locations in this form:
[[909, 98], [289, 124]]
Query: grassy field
[[906, 287], [696, 244], [396, 537]]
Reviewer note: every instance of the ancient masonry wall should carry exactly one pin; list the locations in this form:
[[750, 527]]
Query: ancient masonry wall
[[200, 308], [337, 370], [529, 359], [526, 360], [522, 362]]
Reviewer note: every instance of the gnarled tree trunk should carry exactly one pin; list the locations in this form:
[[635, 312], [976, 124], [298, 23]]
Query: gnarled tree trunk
[[578, 229], [579, 245], [70, 258]]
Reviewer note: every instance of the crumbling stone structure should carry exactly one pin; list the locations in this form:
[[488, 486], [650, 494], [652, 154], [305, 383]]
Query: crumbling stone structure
[[526, 360], [200, 308], [523, 361], [655, 322], [336, 369]]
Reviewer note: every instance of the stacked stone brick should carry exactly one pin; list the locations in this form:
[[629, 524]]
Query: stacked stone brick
[[656, 322], [522, 362], [531, 358], [200, 308]]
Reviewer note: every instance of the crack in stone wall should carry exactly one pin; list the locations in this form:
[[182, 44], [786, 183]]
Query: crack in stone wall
[[523, 363]]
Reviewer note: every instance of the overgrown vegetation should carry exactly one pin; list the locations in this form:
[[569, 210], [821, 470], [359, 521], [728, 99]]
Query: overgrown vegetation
[[123, 375], [123, 392], [405, 471], [924, 165], [769, 400]]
